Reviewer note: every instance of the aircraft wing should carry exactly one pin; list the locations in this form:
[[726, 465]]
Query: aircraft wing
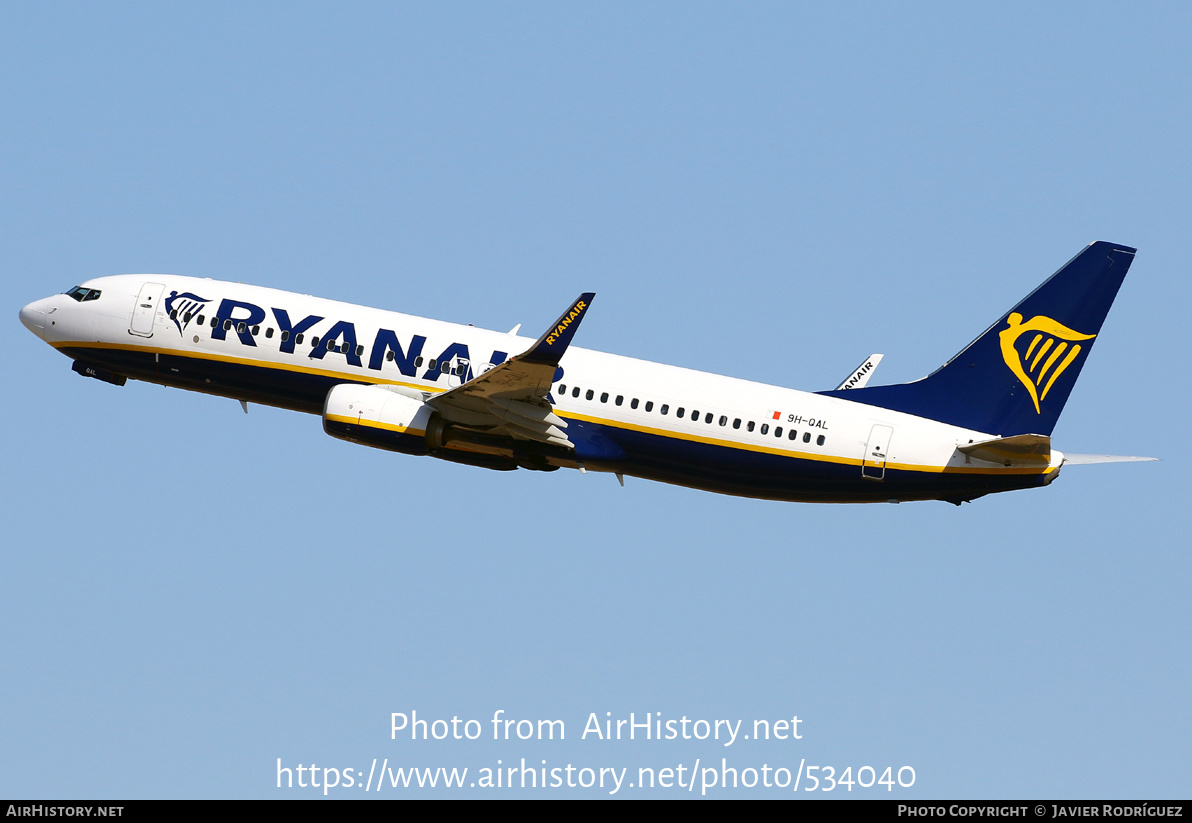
[[511, 398]]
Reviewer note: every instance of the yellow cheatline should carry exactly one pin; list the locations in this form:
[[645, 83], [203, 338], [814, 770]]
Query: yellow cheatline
[[820, 458], [374, 424], [245, 361]]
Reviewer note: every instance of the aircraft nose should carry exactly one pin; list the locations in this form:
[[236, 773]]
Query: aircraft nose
[[33, 317]]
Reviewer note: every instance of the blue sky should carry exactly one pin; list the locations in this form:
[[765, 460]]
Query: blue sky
[[771, 191]]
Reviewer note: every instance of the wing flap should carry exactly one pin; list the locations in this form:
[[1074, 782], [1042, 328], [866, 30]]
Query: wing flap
[[515, 409]]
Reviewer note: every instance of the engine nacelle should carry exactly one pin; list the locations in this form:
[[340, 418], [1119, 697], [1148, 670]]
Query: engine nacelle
[[397, 419], [378, 417]]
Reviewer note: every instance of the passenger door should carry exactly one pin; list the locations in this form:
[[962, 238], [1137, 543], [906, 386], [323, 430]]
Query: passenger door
[[145, 309]]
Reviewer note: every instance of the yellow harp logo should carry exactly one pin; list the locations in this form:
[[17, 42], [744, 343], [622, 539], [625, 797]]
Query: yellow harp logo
[[1043, 361]]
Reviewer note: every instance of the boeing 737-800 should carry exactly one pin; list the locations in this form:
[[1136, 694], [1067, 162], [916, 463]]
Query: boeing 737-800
[[981, 423]]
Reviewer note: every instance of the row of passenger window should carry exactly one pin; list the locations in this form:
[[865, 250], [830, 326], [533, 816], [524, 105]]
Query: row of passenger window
[[461, 368], [681, 412]]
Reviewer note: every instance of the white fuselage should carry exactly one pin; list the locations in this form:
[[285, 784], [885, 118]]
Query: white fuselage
[[271, 346]]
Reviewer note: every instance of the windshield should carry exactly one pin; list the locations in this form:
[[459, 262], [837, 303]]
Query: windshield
[[79, 293]]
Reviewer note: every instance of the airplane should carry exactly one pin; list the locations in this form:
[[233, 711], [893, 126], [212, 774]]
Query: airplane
[[979, 424]]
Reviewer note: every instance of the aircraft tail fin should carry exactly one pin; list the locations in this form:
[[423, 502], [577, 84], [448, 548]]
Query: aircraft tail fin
[[1017, 375]]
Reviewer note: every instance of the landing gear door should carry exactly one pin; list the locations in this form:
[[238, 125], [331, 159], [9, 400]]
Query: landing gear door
[[145, 309], [873, 466]]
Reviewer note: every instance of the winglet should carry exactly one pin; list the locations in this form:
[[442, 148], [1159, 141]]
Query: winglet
[[550, 347], [860, 375]]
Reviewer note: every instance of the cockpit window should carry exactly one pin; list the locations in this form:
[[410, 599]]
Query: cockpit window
[[80, 294]]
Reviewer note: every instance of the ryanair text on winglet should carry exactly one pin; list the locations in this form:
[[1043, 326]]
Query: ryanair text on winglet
[[575, 312]]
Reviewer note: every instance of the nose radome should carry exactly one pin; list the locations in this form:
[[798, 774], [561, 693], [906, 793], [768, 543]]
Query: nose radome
[[33, 317]]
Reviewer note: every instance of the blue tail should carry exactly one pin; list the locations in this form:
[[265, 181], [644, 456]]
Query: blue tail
[[1016, 377]]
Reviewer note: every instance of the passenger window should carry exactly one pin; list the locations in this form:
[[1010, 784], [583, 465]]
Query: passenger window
[[695, 415], [298, 338], [665, 408], [819, 441], [445, 366], [590, 394], [432, 364], [649, 405], [633, 403], [256, 330], [314, 342], [708, 418], [173, 314], [418, 361], [389, 356], [562, 386], [214, 322], [575, 392], [806, 437], [682, 412], [765, 428], [794, 435], [749, 426], [723, 420], [604, 397], [285, 335], [778, 431], [269, 332], [736, 422], [240, 327], [202, 320], [620, 399], [332, 345], [186, 317], [227, 325]]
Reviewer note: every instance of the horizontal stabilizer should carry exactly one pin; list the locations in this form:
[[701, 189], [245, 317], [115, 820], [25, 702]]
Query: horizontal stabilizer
[[1079, 459], [1021, 449]]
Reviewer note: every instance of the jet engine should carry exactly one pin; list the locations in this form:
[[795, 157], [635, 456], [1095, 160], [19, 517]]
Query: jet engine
[[397, 418]]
